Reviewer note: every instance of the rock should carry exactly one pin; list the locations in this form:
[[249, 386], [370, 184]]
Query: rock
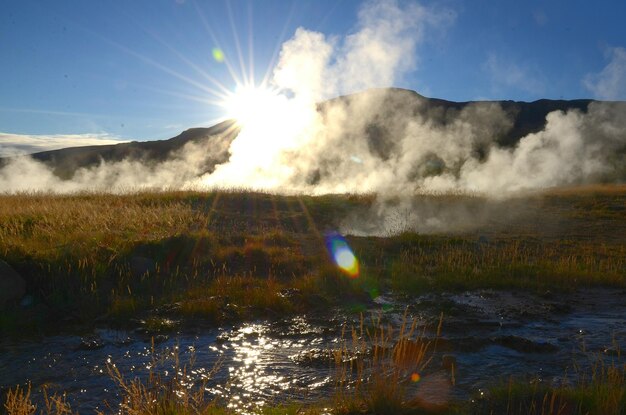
[[524, 345], [124, 341], [222, 338], [90, 343], [314, 357], [140, 266], [12, 285], [231, 312]]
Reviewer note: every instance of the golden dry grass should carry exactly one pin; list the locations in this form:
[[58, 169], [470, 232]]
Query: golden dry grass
[[76, 252], [599, 391], [377, 365]]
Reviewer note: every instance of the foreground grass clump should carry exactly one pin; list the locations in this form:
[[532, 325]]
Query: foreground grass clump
[[152, 397], [379, 369], [18, 402], [603, 394], [234, 254], [602, 391]]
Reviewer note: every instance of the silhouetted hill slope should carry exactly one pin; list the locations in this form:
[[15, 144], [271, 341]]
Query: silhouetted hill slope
[[385, 109], [527, 117], [530, 117], [66, 161]]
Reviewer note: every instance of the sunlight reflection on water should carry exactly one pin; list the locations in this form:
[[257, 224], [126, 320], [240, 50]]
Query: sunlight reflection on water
[[260, 368], [270, 362]]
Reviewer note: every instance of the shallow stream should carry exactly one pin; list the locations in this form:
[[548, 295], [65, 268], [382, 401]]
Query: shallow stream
[[487, 336]]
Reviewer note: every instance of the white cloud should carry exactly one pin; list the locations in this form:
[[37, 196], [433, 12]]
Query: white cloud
[[610, 83], [18, 144], [509, 74]]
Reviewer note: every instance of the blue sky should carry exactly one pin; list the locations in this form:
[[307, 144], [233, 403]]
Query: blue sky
[[143, 69]]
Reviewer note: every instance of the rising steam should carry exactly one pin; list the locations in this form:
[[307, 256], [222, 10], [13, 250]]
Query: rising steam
[[387, 141]]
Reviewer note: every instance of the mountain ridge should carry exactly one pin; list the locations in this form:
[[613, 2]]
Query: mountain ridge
[[66, 161], [527, 118]]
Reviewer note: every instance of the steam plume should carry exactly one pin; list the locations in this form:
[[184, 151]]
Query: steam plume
[[387, 141]]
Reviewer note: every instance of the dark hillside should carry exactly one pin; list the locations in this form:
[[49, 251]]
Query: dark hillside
[[398, 105]]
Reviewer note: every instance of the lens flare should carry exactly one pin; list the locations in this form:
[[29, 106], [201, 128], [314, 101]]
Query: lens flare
[[342, 254], [415, 377], [218, 55]]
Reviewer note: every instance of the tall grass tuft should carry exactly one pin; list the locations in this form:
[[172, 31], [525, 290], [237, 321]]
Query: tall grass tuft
[[18, 402], [158, 395], [377, 367], [599, 391]]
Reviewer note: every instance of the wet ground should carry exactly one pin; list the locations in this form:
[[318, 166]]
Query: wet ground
[[487, 336]]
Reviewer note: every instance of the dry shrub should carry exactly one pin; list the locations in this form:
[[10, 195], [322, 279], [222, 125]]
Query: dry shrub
[[378, 369], [18, 402], [158, 395]]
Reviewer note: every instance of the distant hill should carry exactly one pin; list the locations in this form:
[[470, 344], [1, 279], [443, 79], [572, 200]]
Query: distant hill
[[67, 160], [526, 117], [530, 117]]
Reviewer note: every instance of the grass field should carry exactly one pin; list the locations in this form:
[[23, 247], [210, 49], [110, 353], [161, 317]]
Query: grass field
[[227, 256], [102, 256]]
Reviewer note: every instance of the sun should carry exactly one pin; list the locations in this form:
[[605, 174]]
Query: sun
[[271, 122], [253, 106], [273, 125]]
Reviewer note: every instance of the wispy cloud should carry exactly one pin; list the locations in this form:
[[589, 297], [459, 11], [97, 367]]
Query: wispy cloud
[[17, 144], [505, 73], [610, 82]]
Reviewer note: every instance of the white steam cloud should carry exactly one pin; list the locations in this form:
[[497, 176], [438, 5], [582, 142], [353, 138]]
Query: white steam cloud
[[23, 174], [388, 141], [391, 141]]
